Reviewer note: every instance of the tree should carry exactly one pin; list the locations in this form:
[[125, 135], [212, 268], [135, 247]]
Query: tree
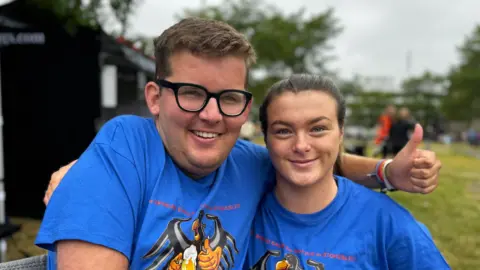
[[366, 106], [285, 43], [92, 13], [423, 95], [461, 102], [122, 9]]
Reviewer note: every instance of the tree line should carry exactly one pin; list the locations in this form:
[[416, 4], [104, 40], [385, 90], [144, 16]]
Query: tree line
[[293, 42]]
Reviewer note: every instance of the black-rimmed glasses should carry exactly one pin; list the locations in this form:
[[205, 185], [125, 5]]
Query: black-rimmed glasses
[[193, 98]]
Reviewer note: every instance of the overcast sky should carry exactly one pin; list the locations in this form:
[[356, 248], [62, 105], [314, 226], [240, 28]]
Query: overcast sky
[[377, 33]]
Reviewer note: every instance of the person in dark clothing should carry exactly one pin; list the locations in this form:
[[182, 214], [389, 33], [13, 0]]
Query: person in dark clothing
[[400, 131]]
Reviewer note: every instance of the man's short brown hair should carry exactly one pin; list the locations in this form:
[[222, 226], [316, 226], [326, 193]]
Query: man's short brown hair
[[201, 37]]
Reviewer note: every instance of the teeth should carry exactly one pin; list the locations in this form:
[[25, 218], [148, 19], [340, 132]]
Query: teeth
[[207, 135]]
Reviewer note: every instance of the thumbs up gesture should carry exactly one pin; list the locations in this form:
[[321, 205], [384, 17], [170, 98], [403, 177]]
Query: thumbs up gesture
[[414, 170], [209, 259]]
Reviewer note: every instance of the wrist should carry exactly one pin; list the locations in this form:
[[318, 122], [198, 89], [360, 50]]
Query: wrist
[[381, 174], [385, 174]]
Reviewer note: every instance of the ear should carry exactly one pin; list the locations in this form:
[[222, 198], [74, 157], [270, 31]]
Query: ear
[[246, 113], [152, 97], [342, 131]]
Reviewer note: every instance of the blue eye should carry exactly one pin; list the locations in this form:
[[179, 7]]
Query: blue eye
[[282, 131], [318, 129]]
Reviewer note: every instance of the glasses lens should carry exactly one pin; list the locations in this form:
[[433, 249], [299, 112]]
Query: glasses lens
[[233, 103], [191, 98]]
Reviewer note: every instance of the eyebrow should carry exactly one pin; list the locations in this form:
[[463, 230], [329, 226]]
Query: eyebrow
[[313, 121]]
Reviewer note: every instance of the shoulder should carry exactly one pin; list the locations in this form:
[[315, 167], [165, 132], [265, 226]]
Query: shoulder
[[245, 151], [123, 126], [374, 200], [407, 242], [396, 221], [386, 210], [128, 135], [253, 161]]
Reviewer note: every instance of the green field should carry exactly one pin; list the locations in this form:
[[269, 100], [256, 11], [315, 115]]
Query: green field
[[452, 212]]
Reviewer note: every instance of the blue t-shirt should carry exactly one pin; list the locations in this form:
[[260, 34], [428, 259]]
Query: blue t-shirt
[[359, 229], [126, 193]]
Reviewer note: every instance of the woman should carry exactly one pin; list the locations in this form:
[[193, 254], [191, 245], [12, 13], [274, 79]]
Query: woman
[[302, 118]]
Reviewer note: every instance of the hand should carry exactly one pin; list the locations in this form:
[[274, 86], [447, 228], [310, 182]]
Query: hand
[[176, 263], [282, 265], [55, 180], [414, 170], [209, 259]]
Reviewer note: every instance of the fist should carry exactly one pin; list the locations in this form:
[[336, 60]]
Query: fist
[[176, 263], [282, 265], [55, 180], [209, 259], [414, 170]]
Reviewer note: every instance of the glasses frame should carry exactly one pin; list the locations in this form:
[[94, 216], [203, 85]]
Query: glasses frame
[[176, 86]]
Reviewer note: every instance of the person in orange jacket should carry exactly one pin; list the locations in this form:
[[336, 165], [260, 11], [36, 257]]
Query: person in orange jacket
[[384, 124]]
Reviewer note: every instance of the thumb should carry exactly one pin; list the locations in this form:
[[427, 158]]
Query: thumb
[[206, 244], [415, 140]]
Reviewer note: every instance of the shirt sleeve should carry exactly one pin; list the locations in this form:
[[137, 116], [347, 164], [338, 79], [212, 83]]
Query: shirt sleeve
[[97, 200], [255, 158], [413, 248]]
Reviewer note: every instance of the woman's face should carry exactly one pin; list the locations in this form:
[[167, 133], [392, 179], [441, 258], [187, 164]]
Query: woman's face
[[303, 136]]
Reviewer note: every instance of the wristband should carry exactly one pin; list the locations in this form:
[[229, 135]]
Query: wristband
[[377, 174], [381, 176], [388, 185]]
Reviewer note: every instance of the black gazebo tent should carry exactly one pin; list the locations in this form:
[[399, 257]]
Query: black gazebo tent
[[52, 92], [50, 99]]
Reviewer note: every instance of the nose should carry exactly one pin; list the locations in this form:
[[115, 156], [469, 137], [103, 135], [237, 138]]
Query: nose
[[211, 112], [302, 145]]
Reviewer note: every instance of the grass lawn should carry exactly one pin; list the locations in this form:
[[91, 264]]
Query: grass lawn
[[452, 212]]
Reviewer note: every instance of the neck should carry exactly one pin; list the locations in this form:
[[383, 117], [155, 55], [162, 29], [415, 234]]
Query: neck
[[306, 200]]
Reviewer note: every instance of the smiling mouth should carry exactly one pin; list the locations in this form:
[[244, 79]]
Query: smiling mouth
[[205, 135], [302, 161]]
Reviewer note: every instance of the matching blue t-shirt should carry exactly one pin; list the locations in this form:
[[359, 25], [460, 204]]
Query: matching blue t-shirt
[[359, 229], [126, 193], [125, 187]]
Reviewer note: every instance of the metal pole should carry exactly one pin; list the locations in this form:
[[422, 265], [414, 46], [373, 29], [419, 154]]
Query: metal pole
[[3, 242]]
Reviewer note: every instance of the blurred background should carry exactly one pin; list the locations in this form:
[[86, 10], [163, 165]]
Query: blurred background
[[67, 66]]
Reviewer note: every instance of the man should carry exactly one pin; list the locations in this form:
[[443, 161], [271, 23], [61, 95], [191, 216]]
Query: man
[[400, 131], [180, 191]]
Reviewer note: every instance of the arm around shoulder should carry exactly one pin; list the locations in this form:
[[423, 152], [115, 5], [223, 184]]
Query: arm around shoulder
[[358, 168]]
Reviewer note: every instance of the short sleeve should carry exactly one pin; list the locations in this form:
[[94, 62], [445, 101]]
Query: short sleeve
[[413, 248], [98, 199], [252, 157]]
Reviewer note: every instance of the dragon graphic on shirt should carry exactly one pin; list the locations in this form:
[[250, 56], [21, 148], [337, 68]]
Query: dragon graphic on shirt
[[200, 253], [289, 262]]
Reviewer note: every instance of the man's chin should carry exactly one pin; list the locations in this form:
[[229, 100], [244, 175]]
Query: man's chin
[[206, 163]]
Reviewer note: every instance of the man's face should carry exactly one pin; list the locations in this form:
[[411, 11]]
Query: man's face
[[404, 113], [198, 142]]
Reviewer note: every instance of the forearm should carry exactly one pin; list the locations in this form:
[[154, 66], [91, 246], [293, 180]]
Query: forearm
[[358, 168], [82, 255]]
